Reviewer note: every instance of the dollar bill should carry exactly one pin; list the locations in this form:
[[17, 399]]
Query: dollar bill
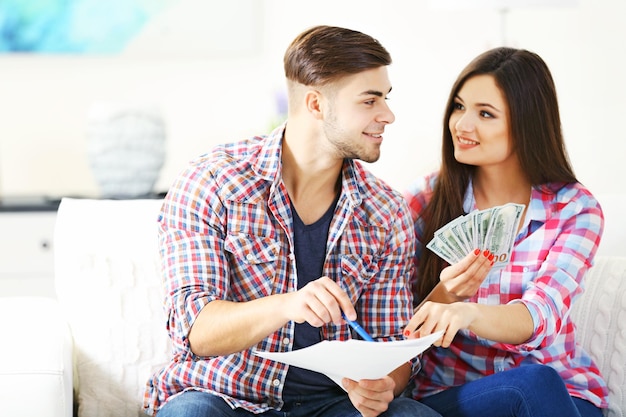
[[483, 220], [494, 229], [453, 239], [443, 251], [463, 234], [502, 232]]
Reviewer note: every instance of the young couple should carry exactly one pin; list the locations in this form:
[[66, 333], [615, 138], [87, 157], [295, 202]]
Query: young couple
[[266, 242]]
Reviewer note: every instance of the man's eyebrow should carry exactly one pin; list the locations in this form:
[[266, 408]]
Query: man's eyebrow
[[374, 93]]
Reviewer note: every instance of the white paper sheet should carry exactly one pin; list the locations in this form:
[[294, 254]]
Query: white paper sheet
[[354, 359]]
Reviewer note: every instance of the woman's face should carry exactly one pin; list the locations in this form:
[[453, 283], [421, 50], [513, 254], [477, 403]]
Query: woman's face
[[479, 124]]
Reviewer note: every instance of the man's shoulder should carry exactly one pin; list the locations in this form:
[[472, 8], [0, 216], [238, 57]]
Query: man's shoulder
[[239, 151], [234, 169], [377, 194], [372, 182], [247, 158]]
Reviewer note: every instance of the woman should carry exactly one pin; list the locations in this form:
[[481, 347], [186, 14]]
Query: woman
[[508, 347]]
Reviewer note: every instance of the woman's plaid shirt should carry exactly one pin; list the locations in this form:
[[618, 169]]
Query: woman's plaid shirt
[[552, 253]]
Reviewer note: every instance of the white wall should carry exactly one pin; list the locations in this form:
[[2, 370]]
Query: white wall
[[213, 98]]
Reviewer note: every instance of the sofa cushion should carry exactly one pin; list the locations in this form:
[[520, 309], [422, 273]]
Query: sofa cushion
[[108, 284], [600, 318]]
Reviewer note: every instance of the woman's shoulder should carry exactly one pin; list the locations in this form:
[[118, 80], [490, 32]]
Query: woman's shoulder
[[422, 185], [573, 192], [568, 198], [419, 193]]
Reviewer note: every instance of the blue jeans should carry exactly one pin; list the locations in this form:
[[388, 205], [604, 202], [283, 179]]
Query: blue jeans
[[526, 391], [202, 404]]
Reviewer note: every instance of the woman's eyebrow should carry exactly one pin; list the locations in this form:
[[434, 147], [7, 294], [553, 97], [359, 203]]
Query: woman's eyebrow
[[491, 106]]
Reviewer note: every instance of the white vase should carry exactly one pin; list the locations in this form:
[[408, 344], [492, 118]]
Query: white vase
[[126, 148]]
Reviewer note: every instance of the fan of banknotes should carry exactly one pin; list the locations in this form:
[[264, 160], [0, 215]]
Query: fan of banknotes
[[494, 229]]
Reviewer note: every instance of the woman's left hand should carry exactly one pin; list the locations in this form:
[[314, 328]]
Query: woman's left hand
[[431, 317]]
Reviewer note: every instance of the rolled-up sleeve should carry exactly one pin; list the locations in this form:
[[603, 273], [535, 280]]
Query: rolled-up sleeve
[[191, 252], [571, 237]]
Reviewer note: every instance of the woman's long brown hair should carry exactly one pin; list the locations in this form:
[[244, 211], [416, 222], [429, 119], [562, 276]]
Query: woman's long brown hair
[[535, 129]]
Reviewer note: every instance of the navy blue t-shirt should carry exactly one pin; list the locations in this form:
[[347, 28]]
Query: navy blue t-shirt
[[310, 252]]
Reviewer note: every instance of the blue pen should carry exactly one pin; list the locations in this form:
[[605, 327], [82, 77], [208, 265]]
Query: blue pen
[[357, 328]]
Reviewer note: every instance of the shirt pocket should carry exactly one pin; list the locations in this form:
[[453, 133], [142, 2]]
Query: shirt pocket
[[252, 265], [515, 280], [356, 272]]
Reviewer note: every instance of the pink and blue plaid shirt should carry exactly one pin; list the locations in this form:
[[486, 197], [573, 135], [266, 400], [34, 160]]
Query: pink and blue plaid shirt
[[552, 253], [226, 232]]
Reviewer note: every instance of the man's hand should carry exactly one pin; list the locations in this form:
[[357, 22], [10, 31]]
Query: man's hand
[[371, 397], [319, 302]]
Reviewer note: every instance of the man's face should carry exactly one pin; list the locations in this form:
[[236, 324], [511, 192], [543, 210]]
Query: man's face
[[356, 114]]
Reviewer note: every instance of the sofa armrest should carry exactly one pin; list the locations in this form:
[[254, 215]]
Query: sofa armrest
[[36, 371], [109, 286], [600, 318]]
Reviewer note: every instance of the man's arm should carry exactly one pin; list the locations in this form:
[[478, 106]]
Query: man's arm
[[224, 327]]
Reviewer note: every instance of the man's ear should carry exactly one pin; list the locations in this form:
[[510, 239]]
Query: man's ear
[[314, 102]]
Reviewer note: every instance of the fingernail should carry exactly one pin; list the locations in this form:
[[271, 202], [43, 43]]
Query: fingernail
[[486, 253], [407, 333], [491, 257], [477, 251]]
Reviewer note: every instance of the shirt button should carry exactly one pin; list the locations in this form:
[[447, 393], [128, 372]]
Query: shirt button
[[276, 382], [286, 341], [250, 257], [525, 269], [292, 256]]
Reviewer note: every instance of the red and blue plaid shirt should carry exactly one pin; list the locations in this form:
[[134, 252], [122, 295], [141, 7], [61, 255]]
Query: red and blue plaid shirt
[[552, 253], [226, 233]]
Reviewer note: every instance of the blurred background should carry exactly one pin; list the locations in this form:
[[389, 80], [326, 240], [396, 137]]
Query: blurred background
[[213, 72]]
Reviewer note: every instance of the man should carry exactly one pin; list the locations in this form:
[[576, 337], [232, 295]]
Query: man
[[266, 242]]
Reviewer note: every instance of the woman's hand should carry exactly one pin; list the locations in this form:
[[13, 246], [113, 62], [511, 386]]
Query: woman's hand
[[462, 279], [505, 323], [431, 317]]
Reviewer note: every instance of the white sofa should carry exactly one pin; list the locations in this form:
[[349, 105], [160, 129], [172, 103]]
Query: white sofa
[[106, 333]]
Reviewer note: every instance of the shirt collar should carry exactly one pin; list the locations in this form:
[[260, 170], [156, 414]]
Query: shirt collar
[[539, 208], [268, 165]]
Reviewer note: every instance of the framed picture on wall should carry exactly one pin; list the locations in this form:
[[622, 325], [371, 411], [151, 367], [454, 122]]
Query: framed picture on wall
[[133, 27]]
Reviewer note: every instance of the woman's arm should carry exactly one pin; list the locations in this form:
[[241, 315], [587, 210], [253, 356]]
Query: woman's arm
[[509, 323], [562, 245]]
